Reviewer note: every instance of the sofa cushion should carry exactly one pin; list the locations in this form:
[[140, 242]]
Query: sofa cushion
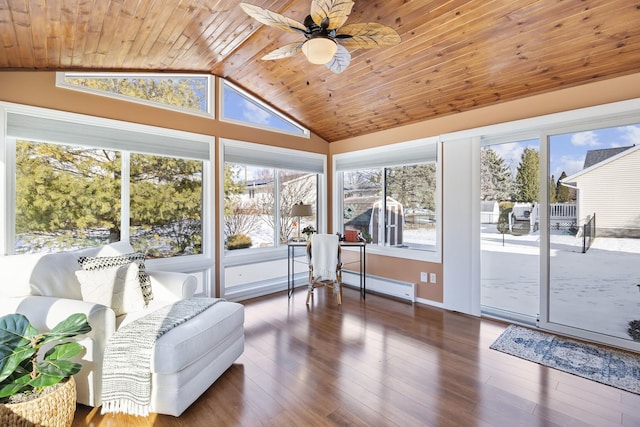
[[116, 287], [91, 263], [190, 341]]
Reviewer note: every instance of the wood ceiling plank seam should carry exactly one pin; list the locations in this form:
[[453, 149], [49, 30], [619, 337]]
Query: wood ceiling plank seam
[[77, 22], [131, 20], [63, 34], [196, 32], [8, 36], [109, 32], [146, 21], [23, 31], [154, 26], [38, 24], [94, 32], [166, 38], [185, 41]]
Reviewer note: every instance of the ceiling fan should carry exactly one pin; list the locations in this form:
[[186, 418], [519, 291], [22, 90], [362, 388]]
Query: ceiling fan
[[326, 38]]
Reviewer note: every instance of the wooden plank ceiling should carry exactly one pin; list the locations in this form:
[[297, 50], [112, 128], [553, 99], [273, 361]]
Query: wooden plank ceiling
[[455, 55]]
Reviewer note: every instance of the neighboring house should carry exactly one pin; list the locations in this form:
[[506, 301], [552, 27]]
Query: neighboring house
[[489, 212], [609, 187]]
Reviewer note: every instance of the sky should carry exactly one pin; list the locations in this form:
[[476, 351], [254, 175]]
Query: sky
[[237, 107], [567, 151]]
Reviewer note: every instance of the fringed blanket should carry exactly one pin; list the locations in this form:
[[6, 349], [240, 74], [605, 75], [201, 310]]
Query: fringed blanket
[[126, 369]]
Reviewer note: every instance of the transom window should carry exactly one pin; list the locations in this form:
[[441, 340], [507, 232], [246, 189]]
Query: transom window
[[188, 93], [240, 107]]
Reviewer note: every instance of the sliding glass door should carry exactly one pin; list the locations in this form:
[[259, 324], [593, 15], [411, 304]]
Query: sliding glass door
[[593, 232]]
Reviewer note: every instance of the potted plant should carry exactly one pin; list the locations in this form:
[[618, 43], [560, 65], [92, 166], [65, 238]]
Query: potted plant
[[308, 231], [36, 388]]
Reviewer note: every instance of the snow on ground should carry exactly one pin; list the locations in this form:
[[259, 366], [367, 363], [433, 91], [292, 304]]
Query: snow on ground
[[595, 291]]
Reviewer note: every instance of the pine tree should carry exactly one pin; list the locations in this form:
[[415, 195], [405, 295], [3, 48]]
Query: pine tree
[[528, 176], [552, 190], [496, 181], [563, 192]]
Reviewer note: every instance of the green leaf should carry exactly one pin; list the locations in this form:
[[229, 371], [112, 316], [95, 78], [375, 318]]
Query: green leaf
[[64, 351], [58, 368], [15, 331], [75, 324]]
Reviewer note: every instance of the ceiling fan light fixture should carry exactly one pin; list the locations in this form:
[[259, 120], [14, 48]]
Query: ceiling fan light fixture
[[319, 50]]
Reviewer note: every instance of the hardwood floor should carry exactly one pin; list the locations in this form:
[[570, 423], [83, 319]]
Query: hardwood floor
[[382, 362]]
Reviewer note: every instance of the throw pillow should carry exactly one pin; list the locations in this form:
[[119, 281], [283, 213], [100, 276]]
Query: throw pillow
[[116, 287], [98, 263]]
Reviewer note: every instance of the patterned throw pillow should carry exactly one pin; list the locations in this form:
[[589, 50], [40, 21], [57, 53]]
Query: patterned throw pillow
[[90, 263]]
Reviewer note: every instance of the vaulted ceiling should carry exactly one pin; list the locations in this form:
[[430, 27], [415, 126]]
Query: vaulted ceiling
[[455, 55]]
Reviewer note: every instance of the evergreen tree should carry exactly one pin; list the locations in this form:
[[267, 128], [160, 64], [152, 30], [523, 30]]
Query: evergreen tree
[[552, 190], [65, 192], [496, 180], [528, 177], [563, 192]]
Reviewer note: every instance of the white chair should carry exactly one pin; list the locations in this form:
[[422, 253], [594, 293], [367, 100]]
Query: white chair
[[325, 264]]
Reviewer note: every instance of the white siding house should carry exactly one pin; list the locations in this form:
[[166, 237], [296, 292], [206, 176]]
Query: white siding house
[[611, 190]]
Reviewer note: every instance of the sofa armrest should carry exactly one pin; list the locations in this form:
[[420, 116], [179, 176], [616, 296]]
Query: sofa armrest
[[171, 285], [46, 312]]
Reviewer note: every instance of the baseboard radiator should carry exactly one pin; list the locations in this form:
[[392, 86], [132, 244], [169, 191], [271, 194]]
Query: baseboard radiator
[[382, 285]]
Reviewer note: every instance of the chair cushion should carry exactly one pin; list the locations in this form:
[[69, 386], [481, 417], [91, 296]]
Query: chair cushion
[[188, 342]]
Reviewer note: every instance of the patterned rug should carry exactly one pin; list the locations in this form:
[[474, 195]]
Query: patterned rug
[[608, 366]]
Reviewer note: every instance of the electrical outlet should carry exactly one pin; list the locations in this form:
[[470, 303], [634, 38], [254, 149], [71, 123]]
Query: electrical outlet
[[432, 277], [423, 276]]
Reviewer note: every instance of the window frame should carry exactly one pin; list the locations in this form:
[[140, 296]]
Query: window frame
[[186, 263], [378, 156], [287, 158], [209, 113], [303, 131]]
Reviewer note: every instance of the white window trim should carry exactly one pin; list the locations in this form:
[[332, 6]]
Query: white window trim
[[382, 152], [185, 263], [304, 132], [210, 113]]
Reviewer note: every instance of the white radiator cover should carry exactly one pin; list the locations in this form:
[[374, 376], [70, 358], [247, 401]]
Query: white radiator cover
[[382, 285]]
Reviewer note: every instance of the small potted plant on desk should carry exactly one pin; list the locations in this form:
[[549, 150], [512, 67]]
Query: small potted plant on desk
[[308, 231], [38, 389]]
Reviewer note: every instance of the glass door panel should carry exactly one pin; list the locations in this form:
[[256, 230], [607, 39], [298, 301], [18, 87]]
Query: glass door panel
[[594, 231], [510, 238]]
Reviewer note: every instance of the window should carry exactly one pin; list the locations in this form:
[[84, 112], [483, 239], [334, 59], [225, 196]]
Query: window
[[390, 194], [66, 197], [261, 185], [188, 93], [83, 181], [240, 107], [166, 205]]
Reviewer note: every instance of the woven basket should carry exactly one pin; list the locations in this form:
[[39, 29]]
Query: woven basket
[[55, 409]]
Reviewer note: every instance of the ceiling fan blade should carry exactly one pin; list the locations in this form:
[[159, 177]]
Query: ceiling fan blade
[[336, 10], [340, 60], [273, 19], [284, 51], [367, 35]]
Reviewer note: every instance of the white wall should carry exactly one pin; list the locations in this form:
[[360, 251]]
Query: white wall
[[461, 225]]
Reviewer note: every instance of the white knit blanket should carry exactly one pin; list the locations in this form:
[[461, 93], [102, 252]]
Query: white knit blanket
[[324, 256], [126, 368]]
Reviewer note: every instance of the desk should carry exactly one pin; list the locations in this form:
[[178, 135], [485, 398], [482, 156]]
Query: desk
[[291, 270]]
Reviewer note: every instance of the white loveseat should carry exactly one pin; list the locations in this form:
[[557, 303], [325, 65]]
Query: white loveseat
[[186, 360]]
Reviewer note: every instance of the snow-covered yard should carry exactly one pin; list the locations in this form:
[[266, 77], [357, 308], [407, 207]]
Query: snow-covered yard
[[596, 291]]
